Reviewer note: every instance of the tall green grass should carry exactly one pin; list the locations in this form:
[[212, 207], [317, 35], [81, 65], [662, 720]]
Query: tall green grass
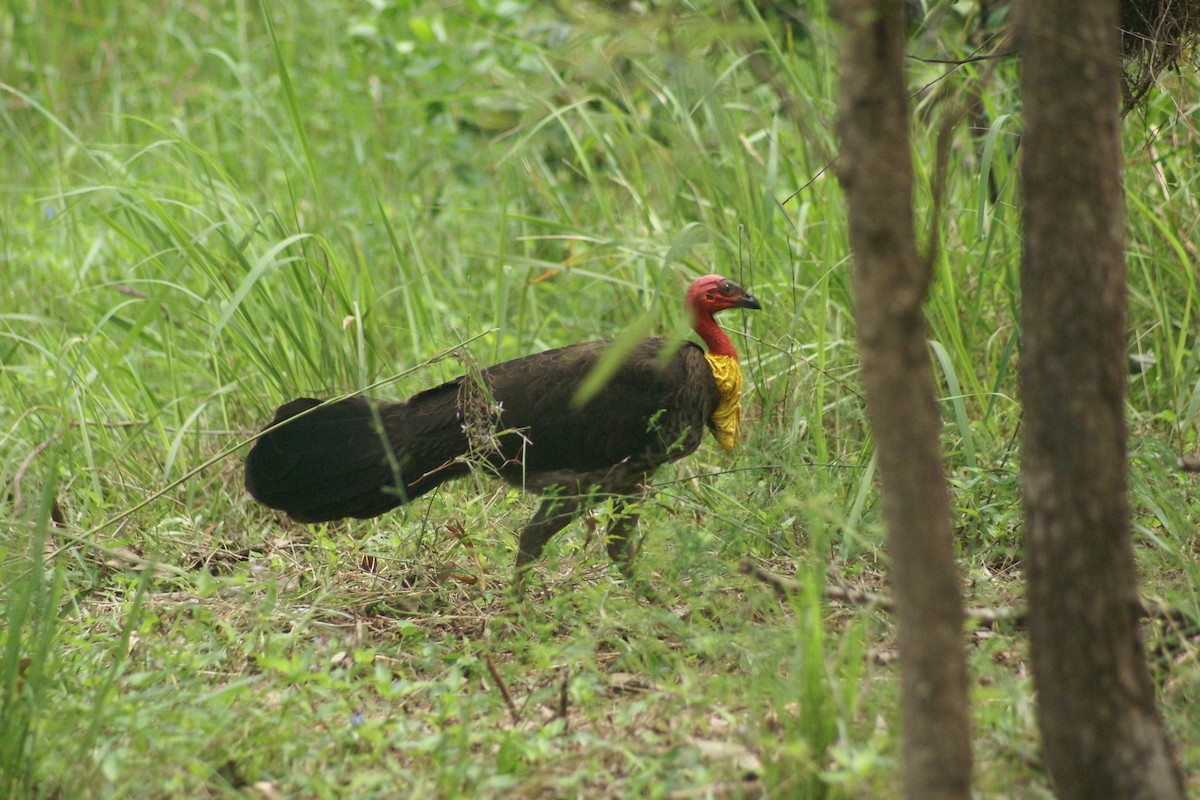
[[209, 211]]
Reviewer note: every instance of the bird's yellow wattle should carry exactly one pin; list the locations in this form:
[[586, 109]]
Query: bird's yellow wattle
[[728, 377]]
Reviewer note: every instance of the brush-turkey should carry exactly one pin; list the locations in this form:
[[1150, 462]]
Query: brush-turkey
[[359, 458]]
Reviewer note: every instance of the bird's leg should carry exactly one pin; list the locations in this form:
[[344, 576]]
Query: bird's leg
[[552, 516], [620, 548]]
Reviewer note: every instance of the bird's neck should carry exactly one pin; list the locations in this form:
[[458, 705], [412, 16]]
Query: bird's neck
[[707, 329]]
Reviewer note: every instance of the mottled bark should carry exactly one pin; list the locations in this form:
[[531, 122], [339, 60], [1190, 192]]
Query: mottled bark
[[890, 281], [1101, 735]]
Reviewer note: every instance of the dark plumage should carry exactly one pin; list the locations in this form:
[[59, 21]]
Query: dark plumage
[[361, 458]]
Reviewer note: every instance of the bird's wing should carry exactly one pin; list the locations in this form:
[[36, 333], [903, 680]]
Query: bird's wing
[[649, 409]]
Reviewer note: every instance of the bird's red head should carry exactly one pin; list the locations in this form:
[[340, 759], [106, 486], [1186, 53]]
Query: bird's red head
[[713, 293], [708, 295]]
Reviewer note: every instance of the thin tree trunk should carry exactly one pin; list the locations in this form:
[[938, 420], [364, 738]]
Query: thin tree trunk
[[890, 281], [1101, 734]]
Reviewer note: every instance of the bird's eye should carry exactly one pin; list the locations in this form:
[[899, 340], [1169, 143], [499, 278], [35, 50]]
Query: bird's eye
[[727, 288]]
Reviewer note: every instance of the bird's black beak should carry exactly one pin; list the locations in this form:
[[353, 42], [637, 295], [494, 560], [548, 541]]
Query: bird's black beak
[[747, 301]]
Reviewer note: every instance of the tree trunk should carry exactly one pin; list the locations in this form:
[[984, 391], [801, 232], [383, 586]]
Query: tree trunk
[[890, 280], [1101, 734]]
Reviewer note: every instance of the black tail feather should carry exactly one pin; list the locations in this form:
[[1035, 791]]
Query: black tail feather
[[341, 460]]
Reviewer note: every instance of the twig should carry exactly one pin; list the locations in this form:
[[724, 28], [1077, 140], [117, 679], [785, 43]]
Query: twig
[[562, 699], [958, 62], [754, 468], [828, 165], [981, 616], [113, 554], [858, 597], [508, 701], [20, 474], [141, 423], [784, 587], [129, 291]]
